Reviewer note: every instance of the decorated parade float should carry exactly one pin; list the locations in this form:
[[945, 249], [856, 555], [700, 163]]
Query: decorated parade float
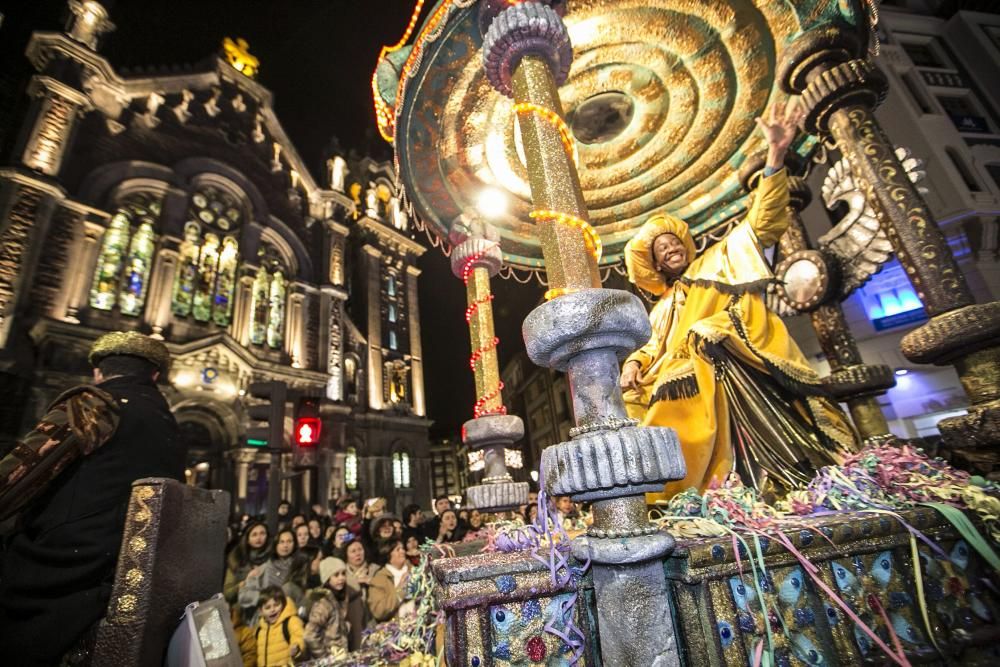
[[588, 117]]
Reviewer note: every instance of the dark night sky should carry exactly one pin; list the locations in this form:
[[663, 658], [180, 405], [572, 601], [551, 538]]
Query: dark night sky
[[317, 57]]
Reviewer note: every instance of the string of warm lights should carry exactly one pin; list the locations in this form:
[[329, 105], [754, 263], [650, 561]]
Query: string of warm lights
[[479, 352], [590, 235], [467, 268], [553, 118], [474, 306], [477, 409], [385, 115]]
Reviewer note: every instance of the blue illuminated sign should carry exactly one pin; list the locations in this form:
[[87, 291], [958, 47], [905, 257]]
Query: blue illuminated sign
[[890, 300]]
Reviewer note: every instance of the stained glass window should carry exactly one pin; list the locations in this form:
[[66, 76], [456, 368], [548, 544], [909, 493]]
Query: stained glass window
[[267, 302], [123, 267], [401, 470], [206, 275], [258, 307], [223, 306], [276, 317], [351, 468], [187, 270], [208, 263], [104, 288], [140, 259]]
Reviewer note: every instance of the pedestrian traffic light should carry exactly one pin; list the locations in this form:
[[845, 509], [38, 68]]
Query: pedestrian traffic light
[[270, 428], [307, 431], [269, 416]]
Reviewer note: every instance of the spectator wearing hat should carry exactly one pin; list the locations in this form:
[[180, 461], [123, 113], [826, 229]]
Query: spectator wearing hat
[[337, 615], [71, 479]]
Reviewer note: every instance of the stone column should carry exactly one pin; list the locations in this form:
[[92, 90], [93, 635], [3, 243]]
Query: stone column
[[475, 258], [161, 285], [57, 112], [841, 91], [25, 223], [416, 347], [242, 301], [243, 458], [372, 272], [585, 331], [295, 325], [850, 379], [84, 259]]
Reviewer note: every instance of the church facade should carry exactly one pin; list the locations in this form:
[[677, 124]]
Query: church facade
[[175, 205]]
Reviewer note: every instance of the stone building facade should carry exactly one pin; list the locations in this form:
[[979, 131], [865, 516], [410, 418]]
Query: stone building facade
[[174, 204]]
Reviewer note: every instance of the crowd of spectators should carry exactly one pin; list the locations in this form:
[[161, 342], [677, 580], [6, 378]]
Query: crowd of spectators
[[310, 589]]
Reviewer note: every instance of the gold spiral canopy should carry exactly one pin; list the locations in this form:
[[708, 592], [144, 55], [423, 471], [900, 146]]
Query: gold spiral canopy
[[660, 102]]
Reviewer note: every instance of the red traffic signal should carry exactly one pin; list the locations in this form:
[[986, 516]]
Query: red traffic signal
[[307, 431]]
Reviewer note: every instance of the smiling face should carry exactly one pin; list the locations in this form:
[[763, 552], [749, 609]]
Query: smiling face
[[285, 545], [355, 554], [271, 610], [315, 529], [257, 537], [669, 255], [385, 530]]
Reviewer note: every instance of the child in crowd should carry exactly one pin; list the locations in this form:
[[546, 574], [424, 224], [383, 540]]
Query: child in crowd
[[280, 633], [337, 616]]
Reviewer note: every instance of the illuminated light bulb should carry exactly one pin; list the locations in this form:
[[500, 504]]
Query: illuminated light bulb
[[492, 202], [900, 372]]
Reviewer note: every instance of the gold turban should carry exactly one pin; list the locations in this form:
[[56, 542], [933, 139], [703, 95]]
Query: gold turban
[[133, 344], [639, 251]]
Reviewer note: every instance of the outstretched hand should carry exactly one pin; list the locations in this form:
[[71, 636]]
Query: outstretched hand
[[780, 129]]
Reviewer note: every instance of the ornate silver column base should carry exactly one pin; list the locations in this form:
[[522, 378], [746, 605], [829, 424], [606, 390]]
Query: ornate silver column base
[[493, 434], [611, 462]]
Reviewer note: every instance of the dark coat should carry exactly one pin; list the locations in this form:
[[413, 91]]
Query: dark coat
[[59, 567]]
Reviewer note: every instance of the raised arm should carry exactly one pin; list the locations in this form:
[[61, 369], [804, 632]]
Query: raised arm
[[769, 214]]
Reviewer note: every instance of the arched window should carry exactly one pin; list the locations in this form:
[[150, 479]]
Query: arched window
[[393, 343], [122, 272], [267, 301], [392, 313], [206, 276], [351, 468], [401, 470]]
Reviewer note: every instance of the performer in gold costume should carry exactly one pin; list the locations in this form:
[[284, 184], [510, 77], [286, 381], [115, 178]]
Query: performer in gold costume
[[721, 368]]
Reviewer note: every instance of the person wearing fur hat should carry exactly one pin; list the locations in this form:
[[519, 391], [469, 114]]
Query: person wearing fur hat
[[337, 614], [70, 480], [720, 368]]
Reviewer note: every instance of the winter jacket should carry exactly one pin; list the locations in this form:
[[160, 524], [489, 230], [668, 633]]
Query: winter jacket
[[352, 578], [384, 598], [236, 574], [59, 568], [272, 648], [327, 629]]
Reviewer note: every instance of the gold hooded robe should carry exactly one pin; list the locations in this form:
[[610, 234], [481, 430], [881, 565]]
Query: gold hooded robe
[[721, 369]]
